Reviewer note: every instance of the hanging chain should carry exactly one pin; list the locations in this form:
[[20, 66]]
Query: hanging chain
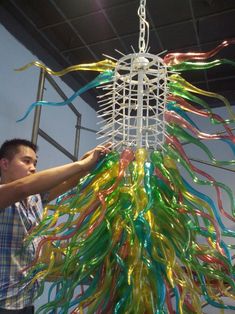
[[144, 27]]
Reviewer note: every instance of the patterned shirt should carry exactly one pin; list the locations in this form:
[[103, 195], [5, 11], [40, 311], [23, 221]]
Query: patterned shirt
[[15, 223]]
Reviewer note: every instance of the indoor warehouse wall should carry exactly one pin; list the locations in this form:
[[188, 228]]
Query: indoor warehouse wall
[[18, 90]]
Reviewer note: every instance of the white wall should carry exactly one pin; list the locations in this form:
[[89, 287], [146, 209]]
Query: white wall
[[18, 90]]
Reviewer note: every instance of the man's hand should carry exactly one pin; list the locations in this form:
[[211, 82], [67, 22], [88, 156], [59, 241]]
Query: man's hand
[[89, 160], [85, 165], [55, 180]]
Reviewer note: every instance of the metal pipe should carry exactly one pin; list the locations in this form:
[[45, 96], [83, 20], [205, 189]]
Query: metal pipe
[[61, 93], [37, 112], [210, 164], [77, 136], [56, 145]]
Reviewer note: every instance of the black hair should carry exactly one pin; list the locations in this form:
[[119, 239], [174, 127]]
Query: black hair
[[11, 147]]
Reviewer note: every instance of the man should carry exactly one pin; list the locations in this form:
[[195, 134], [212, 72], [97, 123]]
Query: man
[[22, 193]]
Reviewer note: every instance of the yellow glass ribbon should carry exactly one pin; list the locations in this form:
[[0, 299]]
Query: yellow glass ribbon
[[99, 66], [178, 79]]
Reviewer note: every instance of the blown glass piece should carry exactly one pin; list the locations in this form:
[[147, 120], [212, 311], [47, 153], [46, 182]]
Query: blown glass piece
[[139, 234]]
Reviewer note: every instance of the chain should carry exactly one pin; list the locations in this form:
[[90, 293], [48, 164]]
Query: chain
[[143, 25]]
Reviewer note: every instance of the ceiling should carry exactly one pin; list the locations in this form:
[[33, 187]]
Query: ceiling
[[80, 31]]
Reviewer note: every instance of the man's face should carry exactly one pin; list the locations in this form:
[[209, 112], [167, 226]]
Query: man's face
[[22, 164]]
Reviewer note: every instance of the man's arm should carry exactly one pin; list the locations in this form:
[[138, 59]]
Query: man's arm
[[65, 186], [72, 181], [48, 180]]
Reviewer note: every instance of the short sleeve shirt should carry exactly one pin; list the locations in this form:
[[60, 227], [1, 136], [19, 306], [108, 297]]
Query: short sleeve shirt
[[16, 221]]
